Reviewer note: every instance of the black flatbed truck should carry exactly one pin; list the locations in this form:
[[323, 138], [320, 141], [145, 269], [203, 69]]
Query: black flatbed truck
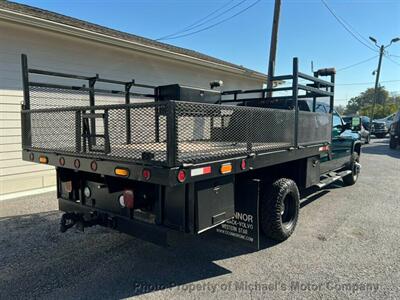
[[181, 159]]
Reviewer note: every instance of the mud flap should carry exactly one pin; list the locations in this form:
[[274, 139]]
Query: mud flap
[[244, 227]]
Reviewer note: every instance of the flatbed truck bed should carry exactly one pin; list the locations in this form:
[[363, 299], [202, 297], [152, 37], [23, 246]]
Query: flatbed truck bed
[[179, 158]]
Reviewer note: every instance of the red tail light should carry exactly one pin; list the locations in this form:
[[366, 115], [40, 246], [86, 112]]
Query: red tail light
[[146, 174], [243, 164], [127, 199], [181, 175]]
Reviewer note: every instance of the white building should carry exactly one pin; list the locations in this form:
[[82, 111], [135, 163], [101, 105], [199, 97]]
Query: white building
[[59, 43]]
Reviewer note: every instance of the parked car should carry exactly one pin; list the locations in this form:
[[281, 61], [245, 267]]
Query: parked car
[[388, 120], [395, 131], [364, 134], [379, 129], [366, 122]]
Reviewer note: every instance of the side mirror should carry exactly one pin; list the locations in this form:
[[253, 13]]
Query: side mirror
[[356, 124], [346, 126]]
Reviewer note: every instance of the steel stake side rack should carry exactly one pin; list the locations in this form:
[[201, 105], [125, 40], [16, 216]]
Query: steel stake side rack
[[65, 120], [184, 152]]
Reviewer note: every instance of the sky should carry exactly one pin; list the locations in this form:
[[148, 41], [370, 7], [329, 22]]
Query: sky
[[307, 31]]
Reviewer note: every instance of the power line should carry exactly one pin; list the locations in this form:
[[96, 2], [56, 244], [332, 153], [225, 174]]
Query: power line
[[392, 60], [217, 23], [368, 41], [366, 83], [356, 64], [346, 27], [204, 20]]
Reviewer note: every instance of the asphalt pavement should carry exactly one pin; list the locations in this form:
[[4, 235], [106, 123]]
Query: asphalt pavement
[[346, 245]]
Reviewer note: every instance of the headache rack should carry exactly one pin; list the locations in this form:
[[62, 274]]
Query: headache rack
[[131, 122]]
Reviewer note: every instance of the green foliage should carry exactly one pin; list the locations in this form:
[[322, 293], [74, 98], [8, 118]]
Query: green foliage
[[362, 104], [380, 111]]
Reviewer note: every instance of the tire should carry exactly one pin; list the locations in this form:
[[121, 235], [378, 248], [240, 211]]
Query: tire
[[368, 139], [279, 209], [352, 178], [392, 143]]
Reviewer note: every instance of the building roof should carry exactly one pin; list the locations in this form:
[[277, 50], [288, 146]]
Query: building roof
[[94, 28]]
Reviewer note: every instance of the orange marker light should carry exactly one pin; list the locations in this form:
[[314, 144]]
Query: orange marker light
[[43, 160], [121, 172], [226, 168]]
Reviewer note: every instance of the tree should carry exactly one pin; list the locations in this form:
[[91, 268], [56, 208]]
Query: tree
[[340, 109], [380, 111], [365, 99]]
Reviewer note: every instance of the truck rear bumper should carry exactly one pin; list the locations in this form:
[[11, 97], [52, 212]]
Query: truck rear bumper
[[153, 233]]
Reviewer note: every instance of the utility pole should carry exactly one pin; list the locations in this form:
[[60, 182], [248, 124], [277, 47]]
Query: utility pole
[[378, 71], [273, 46]]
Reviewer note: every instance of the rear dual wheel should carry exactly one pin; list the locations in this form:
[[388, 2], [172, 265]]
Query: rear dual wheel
[[279, 209], [392, 142], [368, 139], [355, 170]]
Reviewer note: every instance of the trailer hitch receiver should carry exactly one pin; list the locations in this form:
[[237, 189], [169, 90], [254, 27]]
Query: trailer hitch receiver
[[68, 220]]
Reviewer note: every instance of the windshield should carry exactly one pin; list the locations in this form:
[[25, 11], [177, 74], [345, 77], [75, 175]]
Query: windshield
[[347, 119]]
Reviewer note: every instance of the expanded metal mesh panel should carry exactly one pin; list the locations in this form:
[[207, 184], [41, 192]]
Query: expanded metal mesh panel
[[106, 99], [314, 128], [147, 140], [54, 130], [206, 131], [170, 133], [63, 131], [48, 97]]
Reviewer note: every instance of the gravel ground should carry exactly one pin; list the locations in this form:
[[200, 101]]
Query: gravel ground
[[346, 245]]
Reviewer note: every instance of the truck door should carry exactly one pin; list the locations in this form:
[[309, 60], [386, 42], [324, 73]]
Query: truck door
[[341, 143]]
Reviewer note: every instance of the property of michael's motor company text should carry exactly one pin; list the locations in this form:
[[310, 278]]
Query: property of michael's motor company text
[[293, 286]]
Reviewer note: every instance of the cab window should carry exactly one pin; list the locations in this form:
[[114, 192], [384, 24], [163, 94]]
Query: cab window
[[337, 121], [320, 108]]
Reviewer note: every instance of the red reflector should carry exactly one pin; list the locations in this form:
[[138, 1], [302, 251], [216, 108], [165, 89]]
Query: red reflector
[[146, 174], [129, 199], [93, 165], [207, 170], [181, 175], [243, 164], [77, 163]]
